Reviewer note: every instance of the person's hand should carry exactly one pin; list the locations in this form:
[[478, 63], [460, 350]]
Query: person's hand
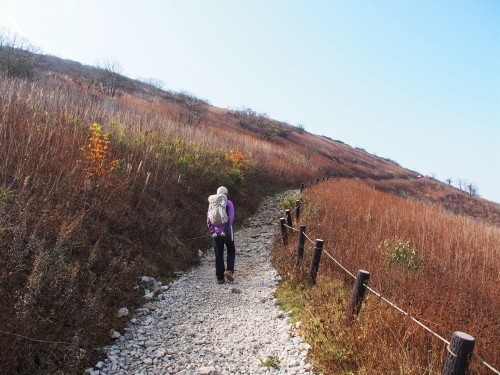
[[223, 234], [214, 235]]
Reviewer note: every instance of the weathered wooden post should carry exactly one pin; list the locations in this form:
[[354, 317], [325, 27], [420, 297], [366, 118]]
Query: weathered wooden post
[[358, 293], [459, 354], [318, 249], [297, 211], [300, 247], [289, 221], [284, 233], [301, 188]]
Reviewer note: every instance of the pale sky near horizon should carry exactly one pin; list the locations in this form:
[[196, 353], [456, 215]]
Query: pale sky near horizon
[[415, 81]]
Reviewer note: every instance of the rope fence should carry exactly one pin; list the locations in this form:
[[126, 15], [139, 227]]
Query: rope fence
[[292, 228], [459, 349], [309, 239], [340, 265]]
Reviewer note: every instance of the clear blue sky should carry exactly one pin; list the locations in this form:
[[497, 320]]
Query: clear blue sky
[[415, 81]]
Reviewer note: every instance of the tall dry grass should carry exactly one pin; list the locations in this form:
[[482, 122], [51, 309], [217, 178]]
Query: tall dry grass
[[447, 277], [75, 238]]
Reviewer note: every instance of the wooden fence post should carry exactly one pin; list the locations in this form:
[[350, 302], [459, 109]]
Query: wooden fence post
[[289, 220], [318, 249], [459, 354], [284, 233], [301, 188], [297, 211], [358, 292], [300, 247]]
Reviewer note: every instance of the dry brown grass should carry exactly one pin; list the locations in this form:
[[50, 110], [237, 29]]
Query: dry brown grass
[[435, 192], [73, 242], [455, 288]]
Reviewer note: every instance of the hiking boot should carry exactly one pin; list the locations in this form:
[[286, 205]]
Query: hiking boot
[[229, 275], [220, 281]]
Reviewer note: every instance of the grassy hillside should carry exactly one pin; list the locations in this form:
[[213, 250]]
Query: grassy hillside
[[86, 209], [439, 267], [99, 187]]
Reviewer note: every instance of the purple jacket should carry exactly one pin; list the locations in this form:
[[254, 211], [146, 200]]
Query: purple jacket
[[225, 227]]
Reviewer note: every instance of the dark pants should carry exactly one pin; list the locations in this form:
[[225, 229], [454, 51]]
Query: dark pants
[[219, 243]]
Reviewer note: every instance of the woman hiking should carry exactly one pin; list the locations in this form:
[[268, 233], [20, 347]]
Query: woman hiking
[[220, 218]]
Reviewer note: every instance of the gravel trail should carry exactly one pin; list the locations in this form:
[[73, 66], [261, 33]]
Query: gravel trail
[[196, 326]]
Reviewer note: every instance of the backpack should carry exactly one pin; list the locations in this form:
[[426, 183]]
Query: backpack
[[217, 209]]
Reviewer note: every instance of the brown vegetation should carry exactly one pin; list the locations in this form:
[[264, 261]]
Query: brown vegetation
[[439, 267], [85, 212], [99, 186]]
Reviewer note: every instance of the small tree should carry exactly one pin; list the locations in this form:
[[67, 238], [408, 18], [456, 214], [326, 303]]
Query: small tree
[[17, 57], [257, 122], [301, 128], [155, 85], [193, 110], [471, 189], [109, 77], [266, 127], [449, 181], [462, 184], [245, 117]]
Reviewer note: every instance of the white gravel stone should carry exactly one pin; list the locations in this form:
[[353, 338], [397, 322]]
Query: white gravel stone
[[196, 326], [123, 312]]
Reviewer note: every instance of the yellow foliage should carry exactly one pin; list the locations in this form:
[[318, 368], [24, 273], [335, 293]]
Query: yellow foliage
[[237, 159], [97, 153]]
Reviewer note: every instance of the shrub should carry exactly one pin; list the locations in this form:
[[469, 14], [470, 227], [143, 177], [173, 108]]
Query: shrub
[[398, 251], [288, 201], [17, 56], [5, 195], [97, 153], [353, 220], [236, 159], [301, 128]]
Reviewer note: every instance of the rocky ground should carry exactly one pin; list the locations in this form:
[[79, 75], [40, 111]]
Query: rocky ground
[[196, 326]]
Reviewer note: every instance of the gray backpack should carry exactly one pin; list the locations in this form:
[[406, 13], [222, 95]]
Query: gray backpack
[[217, 209]]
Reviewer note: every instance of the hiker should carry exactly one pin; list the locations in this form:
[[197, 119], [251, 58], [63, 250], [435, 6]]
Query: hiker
[[220, 218]]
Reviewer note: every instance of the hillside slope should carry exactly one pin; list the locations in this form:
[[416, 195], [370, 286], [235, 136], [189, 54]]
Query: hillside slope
[[331, 157], [103, 178]]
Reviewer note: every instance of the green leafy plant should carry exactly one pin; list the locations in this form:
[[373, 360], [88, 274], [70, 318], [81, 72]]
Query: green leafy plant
[[288, 201], [399, 251], [5, 195], [270, 362]]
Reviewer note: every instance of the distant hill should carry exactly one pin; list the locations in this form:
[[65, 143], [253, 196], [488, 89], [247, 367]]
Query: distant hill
[[335, 158], [103, 178]]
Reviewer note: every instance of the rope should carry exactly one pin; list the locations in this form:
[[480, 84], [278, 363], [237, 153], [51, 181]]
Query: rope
[[485, 364], [477, 357], [305, 235], [408, 315], [482, 361], [297, 230], [196, 238], [449, 351], [35, 340], [340, 265]]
